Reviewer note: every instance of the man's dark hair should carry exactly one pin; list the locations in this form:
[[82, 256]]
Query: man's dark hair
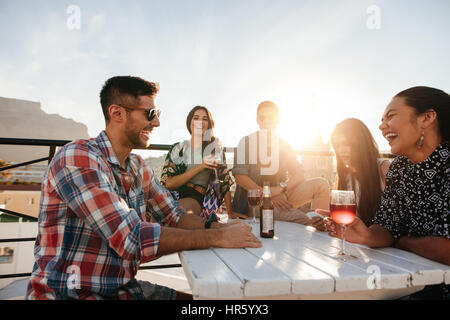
[[125, 91]]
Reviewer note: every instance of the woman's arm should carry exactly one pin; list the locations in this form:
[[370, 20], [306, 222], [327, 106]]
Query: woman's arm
[[245, 182], [434, 248], [375, 236], [174, 182]]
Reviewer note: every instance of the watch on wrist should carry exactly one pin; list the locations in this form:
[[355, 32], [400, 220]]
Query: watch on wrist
[[283, 186]]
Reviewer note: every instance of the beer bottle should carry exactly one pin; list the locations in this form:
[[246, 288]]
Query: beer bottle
[[266, 224]]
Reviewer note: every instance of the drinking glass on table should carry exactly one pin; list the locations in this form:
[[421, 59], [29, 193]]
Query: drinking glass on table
[[214, 160], [254, 198], [343, 212]]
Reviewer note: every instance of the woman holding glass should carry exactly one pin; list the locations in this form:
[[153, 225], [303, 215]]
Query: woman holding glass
[[414, 211], [195, 167], [359, 167]]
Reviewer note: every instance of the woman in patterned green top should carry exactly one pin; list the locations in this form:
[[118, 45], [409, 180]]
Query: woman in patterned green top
[[194, 167]]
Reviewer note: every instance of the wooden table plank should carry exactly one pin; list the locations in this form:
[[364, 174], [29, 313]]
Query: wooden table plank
[[347, 277], [255, 273], [305, 278], [414, 258], [419, 273], [299, 262], [209, 277], [387, 277]]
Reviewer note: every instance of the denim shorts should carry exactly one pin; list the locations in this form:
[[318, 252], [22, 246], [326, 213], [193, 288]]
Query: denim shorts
[[153, 291]]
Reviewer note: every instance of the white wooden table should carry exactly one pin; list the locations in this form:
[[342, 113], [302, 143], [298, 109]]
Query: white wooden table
[[298, 263]]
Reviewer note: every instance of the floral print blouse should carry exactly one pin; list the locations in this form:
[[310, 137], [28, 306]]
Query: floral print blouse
[[176, 164], [417, 196]]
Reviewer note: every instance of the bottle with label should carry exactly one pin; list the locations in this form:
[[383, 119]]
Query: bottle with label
[[266, 224]]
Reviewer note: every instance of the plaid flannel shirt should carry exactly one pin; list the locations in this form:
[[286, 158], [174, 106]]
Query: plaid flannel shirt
[[93, 234]]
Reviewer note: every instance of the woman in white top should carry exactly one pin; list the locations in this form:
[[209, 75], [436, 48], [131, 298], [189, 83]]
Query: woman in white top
[[359, 167]]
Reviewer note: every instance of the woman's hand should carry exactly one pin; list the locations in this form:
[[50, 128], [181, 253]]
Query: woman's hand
[[209, 162], [356, 232]]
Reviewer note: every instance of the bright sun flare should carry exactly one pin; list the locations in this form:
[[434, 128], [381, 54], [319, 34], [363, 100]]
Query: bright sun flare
[[302, 121]]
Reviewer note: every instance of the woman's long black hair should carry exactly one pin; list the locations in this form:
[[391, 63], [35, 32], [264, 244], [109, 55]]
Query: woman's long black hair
[[423, 98], [364, 166]]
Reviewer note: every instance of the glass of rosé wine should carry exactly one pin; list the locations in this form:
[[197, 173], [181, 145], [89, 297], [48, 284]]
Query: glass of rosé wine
[[254, 199], [343, 212]]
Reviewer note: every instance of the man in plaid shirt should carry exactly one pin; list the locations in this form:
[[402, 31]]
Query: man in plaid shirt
[[103, 212]]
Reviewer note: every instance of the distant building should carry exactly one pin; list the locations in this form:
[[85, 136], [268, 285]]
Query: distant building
[[31, 174], [25, 202]]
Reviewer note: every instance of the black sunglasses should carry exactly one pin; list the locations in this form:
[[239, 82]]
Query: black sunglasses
[[151, 113]]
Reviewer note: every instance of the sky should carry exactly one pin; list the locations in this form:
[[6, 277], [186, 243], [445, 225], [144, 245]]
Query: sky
[[348, 58]]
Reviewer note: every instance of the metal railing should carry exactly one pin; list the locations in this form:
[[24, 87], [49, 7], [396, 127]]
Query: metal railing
[[53, 144]]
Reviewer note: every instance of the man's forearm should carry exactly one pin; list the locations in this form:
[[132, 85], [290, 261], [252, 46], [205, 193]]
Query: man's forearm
[[174, 182], [294, 181], [175, 239], [246, 182], [434, 248], [193, 221]]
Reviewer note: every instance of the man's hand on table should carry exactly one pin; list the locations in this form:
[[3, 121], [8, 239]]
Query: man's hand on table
[[237, 234]]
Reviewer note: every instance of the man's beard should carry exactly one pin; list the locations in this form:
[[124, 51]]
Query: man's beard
[[136, 140]]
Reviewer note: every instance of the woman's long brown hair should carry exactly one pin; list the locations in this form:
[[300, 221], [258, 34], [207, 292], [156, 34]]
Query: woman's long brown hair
[[364, 166]]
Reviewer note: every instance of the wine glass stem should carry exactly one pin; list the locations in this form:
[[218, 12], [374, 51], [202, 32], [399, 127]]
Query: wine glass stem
[[343, 239]]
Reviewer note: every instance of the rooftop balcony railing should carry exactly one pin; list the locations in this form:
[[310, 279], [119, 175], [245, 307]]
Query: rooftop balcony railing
[[53, 144]]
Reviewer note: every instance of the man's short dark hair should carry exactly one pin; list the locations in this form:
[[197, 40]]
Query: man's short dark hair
[[267, 104], [125, 91]]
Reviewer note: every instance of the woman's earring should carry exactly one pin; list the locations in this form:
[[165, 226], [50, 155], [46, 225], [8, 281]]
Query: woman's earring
[[420, 141]]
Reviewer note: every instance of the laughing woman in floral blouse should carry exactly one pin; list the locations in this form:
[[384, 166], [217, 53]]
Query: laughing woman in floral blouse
[[414, 210], [190, 168]]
